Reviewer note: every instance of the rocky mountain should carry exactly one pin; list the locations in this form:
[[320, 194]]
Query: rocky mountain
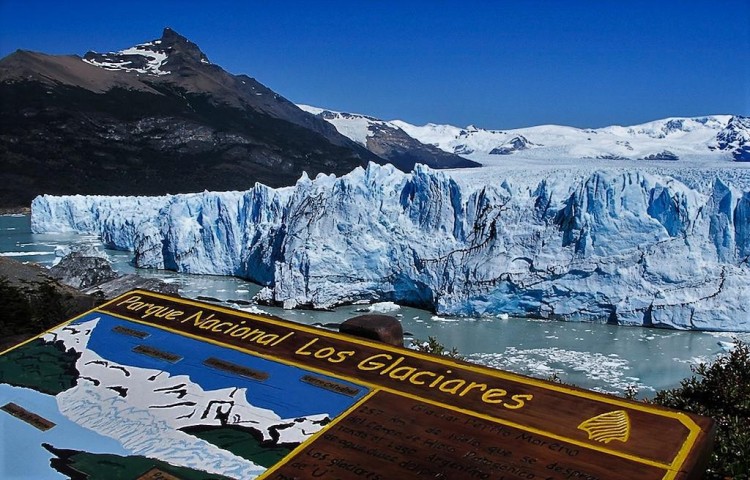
[[735, 137], [515, 144], [389, 141], [155, 118]]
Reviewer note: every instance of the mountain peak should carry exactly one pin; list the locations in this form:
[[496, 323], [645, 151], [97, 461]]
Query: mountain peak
[[158, 57], [173, 42]]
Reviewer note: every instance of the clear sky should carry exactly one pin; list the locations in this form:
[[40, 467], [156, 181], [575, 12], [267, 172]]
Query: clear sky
[[495, 64]]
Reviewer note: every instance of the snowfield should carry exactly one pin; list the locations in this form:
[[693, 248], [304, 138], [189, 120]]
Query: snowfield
[[653, 244], [688, 140]]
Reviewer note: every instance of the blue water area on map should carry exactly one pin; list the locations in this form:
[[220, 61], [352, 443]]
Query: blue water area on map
[[21, 451], [283, 391]]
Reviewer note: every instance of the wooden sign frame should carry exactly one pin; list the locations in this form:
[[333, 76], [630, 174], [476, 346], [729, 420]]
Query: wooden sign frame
[[394, 413]]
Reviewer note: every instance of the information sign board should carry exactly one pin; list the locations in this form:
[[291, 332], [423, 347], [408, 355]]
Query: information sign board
[[151, 386]]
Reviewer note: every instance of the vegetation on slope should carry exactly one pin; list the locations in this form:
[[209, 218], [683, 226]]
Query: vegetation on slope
[[720, 390]]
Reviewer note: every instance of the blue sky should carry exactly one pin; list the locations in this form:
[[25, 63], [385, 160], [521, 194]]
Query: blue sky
[[494, 64]]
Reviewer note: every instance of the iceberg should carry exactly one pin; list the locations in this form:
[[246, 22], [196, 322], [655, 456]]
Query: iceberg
[[644, 247]]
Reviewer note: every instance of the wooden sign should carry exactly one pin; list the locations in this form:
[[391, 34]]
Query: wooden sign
[[151, 386]]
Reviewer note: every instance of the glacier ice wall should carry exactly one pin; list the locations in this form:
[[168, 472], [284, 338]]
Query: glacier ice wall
[[618, 245]]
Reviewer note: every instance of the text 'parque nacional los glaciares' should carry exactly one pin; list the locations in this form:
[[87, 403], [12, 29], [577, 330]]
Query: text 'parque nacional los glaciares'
[[389, 366]]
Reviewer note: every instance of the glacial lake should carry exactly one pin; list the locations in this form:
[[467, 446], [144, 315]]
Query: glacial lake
[[606, 358]]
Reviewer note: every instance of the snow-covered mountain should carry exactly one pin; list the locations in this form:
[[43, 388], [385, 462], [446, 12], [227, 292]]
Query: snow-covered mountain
[[389, 141], [146, 409], [701, 139], [655, 246], [718, 137]]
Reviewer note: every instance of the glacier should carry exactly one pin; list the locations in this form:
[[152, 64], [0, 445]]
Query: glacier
[[647, 246]]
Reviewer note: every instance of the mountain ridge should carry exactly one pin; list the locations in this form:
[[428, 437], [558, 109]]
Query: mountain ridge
[[160, 118], [111, 123], [711, 137]]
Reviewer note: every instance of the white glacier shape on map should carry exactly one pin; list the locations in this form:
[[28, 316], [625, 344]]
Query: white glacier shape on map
[[147, 421], [662, 247]]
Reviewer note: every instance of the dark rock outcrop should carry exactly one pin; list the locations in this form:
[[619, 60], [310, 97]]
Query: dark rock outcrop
[[404, 152], [735, 138], [515, 144], [92, 274], [382, 328], [32, 301], [82, 272], [663, 155], [393, 144]]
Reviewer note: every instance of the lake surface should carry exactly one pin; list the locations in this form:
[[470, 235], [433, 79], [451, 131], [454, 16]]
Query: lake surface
[[601, 357]]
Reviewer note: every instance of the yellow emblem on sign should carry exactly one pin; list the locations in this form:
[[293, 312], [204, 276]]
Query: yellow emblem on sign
[[608, 426]]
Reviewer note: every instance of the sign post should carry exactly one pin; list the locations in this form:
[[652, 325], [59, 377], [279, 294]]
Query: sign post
[[249, 396]]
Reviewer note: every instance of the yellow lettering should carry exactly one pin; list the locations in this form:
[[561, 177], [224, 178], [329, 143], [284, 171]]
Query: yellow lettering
[[494, 395], [129, 300], [369, 363], [452, 390], [472, 385], [197, 318], [254, 333], [402, 373], [284, 338], [152, 310], [519, 399], [414, 378], [209, 324], [268, 339], [341, 356], [219, 330], [233, 328], [303, 349], [242, 331], [392, 366], [174, 315], [439, 379]]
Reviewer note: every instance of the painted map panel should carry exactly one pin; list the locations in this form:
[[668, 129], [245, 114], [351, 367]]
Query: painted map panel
[[126, 398]]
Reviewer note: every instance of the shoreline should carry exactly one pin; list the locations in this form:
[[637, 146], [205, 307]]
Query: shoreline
[[15, 210]]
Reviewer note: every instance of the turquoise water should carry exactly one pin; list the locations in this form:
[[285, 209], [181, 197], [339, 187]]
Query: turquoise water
[[597, 356]]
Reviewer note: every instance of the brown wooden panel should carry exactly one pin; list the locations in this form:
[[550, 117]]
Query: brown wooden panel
[[29, 417], [392, 437]]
